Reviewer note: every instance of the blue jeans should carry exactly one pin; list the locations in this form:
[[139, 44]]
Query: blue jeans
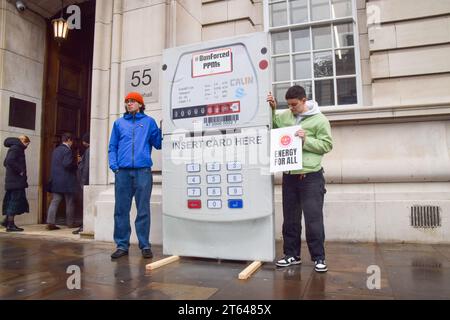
[[129, 183]]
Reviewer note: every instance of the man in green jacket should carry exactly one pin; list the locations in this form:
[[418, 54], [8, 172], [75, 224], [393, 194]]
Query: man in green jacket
[[304, 190]]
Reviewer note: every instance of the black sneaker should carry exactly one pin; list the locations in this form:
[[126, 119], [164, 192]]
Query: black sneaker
[[119, 253], [288, 260], [147, 253], [80, 229], [13, 228], [320, 266]]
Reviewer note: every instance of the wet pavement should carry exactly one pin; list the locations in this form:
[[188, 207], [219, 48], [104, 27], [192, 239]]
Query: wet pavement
[[35, 267]]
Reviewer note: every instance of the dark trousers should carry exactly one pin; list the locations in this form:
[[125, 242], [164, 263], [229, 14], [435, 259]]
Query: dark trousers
[[303, 194]]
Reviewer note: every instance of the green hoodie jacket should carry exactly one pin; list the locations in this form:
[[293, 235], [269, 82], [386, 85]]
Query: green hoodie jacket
[[318, 138]]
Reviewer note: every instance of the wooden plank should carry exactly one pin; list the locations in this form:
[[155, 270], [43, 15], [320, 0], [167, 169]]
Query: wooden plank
[[247, 272], [160, 263], [87, 235]]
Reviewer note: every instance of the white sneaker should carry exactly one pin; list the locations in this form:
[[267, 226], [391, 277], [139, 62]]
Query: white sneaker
[[320, 266], [288, 260]]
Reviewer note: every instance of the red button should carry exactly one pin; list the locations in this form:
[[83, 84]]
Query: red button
[[194, 204], [263, 64]]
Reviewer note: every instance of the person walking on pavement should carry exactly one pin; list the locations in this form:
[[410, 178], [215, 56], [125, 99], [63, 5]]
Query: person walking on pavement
[[132, 139], [15, 201], [83, 172], [63, 182]]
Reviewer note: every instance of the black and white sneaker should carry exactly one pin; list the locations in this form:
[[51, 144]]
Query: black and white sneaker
[[288, 260], [320, 266]]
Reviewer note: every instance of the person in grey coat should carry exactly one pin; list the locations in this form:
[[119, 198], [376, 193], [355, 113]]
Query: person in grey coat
[[83, 171], [63, 182], [15, 201]]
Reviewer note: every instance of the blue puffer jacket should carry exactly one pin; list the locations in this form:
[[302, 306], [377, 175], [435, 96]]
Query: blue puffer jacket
[[132, 139]]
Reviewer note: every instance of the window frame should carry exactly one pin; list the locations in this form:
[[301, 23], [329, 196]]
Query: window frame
[[309, 25]]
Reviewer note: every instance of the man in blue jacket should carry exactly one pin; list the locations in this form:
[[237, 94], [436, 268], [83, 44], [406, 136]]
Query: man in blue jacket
[[130, 147]]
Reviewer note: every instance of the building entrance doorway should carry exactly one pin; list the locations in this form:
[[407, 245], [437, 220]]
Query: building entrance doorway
[[67, 104]]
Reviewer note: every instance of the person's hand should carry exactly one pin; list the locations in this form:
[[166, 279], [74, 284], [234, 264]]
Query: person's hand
[[271, 100], [301, 134], [78, 158]]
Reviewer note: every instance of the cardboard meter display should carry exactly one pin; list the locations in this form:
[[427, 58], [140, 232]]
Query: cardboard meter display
[[217, 188]]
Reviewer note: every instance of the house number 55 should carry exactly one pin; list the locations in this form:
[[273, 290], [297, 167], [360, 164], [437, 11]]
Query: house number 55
[[136, 79]]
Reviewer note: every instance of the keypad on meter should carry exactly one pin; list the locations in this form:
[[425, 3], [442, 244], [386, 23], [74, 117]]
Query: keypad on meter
[[221, 180]]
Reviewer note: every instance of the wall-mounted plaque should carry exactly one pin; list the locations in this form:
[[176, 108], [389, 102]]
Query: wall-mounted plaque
[[22, 114]]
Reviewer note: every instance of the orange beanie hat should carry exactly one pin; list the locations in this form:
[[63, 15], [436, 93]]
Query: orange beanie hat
[[135, 96]]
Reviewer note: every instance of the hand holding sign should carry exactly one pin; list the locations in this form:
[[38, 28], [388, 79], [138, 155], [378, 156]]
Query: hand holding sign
[[271, 101], [301, 134]]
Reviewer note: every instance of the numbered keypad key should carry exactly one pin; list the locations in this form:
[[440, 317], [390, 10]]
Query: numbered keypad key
[[194, 192], [213, 166], [193, 180], [214, 192], [234, 178], [213, 179], [235, 191], [234, 166], [214, 204], [193, 167]]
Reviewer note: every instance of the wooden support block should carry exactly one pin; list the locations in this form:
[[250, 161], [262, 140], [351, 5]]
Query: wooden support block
[[160, 263], [86, 235], [247, 272]]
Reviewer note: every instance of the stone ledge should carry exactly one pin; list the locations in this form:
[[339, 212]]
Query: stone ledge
[[387, 113]]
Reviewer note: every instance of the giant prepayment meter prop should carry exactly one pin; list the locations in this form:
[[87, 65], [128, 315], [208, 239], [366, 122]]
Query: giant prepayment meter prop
[[217, 189]]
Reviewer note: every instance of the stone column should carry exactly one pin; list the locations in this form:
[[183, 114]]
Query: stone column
[[106, 17]]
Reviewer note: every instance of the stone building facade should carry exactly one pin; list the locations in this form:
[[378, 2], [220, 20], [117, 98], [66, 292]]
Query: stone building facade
[[390, 110]]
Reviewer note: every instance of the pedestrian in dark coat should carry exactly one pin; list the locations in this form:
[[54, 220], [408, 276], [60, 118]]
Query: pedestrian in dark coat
[[83, 165], [63, 182], [15, 201], [83, 172]]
